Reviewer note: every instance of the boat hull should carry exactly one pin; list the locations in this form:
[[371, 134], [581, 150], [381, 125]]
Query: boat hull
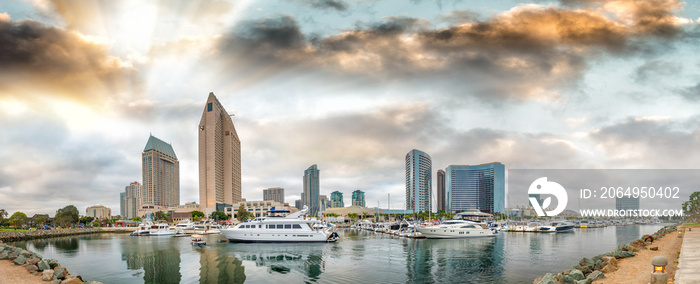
[[455, 233], [240, 236]]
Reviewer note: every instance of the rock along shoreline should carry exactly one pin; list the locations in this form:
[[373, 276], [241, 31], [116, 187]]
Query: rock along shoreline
[[48, 269], [12, 236], [590, 269]]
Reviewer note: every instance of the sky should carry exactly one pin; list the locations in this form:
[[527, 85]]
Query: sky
[[349, 85]]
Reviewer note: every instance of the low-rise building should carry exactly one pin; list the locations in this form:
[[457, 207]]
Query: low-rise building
[[259, 208], [100, 212], [151, 208]]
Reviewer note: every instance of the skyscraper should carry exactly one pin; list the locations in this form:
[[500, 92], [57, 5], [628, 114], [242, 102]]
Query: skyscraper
[[274, 193], [309, 196], [121, 204], [479, 187], [132, 200], [219, 158], [337, 199], [161, 173], [418, 181], [440, 190], [358, 198]]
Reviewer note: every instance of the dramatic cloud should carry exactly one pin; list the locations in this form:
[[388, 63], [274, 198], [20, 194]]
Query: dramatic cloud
[[39, 59], [339, 5], [530, 51], [651, 142]]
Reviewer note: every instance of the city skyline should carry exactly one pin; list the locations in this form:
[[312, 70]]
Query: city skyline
[[350, 87]]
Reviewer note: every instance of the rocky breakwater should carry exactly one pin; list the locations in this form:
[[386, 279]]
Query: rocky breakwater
[[48, 269], [590, 269], [9, 236]]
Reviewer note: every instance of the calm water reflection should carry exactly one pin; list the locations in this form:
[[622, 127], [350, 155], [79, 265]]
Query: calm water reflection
[[360, 256]]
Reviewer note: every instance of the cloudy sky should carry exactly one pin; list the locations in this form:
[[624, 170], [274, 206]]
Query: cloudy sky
[[349, 85]]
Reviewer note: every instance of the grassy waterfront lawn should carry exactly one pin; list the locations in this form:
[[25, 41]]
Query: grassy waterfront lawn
[[5, 229]]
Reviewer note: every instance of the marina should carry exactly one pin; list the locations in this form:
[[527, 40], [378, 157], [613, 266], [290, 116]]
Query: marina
[[360, 256]]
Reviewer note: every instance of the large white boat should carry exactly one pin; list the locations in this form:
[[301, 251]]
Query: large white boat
[[162, 229], [186, 226], [293, 228], [453, 229], [557, 227]]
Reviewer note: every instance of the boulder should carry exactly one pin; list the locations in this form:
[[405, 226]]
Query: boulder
[[59, 273], [33, 261], [598, 266], [32, 268], [547, 279], [586, 270], [628, 254], [43, 265], [585, 281], [586, 262], [47, 275], [618, 253], [26, 254], [72, 281], [56, 281], [20, 260], [577, 274], [566, 279], [609, 268], [53, 263], [596, 275], [4, 255], [648, 239], [654, 248]]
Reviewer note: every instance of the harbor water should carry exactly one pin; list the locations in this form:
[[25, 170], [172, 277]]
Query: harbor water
[[359, 257]]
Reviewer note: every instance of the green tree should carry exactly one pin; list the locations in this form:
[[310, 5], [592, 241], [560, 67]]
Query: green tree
[[137, 219], [18, 219], [243, 214], [3, 214], [41, 220], [86, 220], [691, 208], [160, 215], [66, 215], [196, 215], [352, 216], [218, 215]]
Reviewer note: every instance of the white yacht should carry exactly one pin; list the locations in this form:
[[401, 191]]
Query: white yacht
[[452, 229], [293, 228], [186, 226], [144, 229], [207, 227], [162, 229], [557, 227]]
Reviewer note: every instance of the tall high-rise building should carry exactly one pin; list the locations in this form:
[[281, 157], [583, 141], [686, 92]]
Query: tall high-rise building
[[627, 203], [219, 158], [309, 196], [274, 193], [337, 199], [479, 187], [161, 173], [297, 204], [440, 190], [418, 181], [122, 210], [358, 198], [132, 200]]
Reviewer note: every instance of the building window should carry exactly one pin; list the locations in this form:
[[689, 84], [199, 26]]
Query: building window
[[209, 107]]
